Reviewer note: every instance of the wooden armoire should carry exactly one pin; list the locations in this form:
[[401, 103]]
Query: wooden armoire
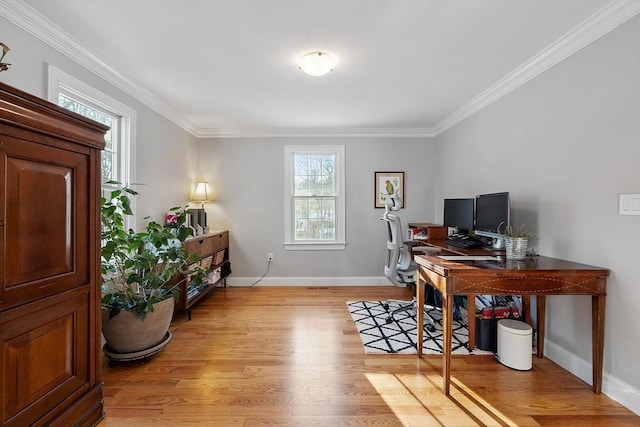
[[50, 372]]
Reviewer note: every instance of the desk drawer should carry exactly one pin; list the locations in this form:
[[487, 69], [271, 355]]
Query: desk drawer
[[218, 242], [206, 245]]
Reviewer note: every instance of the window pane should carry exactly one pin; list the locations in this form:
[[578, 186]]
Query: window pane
[[301, 229], [301, 186], [300, 164], [315, 165], [315, 218], [315, 185], [328, 186], [314, 229], [104, 119], [67, 103], [107, 166], [328, 208], [314, 175], [328, 216], [109, 162], [315, 208], [328, 230], [301, 206], [328, 164]]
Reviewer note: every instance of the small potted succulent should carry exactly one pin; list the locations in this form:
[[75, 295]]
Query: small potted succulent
[[516, 240]]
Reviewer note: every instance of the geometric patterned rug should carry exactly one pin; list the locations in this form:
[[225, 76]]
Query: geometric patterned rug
[[399, 336]]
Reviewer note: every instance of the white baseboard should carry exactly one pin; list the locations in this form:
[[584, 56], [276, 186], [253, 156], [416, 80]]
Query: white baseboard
[[614, 388], [309, 281]]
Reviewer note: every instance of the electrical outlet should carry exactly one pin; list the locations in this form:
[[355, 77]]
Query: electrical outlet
[[270, 256]]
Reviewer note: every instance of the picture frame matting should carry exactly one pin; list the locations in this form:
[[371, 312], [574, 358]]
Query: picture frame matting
[[387, 184]]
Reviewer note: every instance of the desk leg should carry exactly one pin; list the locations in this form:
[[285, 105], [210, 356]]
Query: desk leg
[[447, 331], [541, 303], [420, 312], [526, 309], [471, 306], [597, 339]]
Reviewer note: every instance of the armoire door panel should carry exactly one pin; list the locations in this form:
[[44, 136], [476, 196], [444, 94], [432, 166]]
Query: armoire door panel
[[45, 355], [25, 354], [46, 221], [50, 359], [42, 221]]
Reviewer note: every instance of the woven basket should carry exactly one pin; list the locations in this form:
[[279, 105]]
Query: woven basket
[[218, 257], [206, 262]]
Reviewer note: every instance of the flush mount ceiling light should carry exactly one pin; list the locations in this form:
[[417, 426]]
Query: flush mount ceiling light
[[317, 63]]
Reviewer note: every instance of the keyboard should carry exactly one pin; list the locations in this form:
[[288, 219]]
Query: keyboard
[[464, 243]]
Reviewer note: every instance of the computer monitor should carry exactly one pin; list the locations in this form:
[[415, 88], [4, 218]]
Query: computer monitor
[[458, 213], [492, 211]]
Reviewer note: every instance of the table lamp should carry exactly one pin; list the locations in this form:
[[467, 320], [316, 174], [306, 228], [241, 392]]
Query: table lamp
[[202, 195]]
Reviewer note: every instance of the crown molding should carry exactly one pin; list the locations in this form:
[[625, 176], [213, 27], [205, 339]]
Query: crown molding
[[317, 132], [33, 22], [608, 18], [585, 33]]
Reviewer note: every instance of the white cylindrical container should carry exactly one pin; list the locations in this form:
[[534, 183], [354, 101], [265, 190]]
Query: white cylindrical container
[[514, 344]]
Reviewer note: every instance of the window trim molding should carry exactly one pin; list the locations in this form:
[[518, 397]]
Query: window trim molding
[[340, 241], [57, 79]]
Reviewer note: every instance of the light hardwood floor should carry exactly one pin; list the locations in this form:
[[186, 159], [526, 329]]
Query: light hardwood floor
[[283, 356]]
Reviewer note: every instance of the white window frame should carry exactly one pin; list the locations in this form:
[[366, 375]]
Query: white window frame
[[290, 243], [59, 81]]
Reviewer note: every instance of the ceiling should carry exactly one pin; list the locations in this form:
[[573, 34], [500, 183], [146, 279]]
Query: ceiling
[[228, 67]]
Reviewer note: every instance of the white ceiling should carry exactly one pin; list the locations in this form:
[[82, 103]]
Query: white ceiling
[[228, 67]]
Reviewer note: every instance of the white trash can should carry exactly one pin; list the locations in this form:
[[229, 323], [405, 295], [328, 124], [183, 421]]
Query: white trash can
[[515, 344]]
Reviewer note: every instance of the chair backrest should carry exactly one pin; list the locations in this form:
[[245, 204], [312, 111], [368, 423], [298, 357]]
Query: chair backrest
[[393, 249], [398, 256]]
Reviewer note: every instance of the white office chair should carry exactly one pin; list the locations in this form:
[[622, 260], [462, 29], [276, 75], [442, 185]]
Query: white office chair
[[399, 266]]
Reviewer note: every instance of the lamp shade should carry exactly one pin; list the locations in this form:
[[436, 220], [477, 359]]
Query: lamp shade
[[202, 193], [317, 63]]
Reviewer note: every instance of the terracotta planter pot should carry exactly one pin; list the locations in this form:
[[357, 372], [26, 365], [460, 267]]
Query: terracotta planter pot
[[128, 333]]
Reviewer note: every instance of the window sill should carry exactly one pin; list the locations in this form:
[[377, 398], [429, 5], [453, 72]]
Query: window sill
[[315, 246]]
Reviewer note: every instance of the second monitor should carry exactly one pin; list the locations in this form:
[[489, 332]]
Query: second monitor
[[459, 214], [492, 216]]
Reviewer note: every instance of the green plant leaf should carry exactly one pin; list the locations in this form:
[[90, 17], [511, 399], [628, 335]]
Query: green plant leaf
[[147, 262]]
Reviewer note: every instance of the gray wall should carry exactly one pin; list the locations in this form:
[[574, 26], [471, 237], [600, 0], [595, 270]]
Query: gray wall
[[164, 151], [565, 145], [247, 176]]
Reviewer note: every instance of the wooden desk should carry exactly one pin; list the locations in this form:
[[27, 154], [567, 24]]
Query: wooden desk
[[447, 249], [539, 276]]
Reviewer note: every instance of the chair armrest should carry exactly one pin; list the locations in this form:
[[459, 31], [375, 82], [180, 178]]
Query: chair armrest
[[427, 250]]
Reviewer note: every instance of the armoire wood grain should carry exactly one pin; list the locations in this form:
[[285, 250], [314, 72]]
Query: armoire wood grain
[[50, 371]]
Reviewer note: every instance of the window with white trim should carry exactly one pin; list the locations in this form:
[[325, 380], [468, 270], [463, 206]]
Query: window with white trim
[[75, 95], [314, 197], [110, 160]]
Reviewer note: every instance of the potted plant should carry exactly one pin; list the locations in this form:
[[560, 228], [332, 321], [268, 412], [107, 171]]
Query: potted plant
[[141, 272], [516, 240]]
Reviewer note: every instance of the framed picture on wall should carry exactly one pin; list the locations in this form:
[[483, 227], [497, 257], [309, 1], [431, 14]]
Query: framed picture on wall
[[387, 184]]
